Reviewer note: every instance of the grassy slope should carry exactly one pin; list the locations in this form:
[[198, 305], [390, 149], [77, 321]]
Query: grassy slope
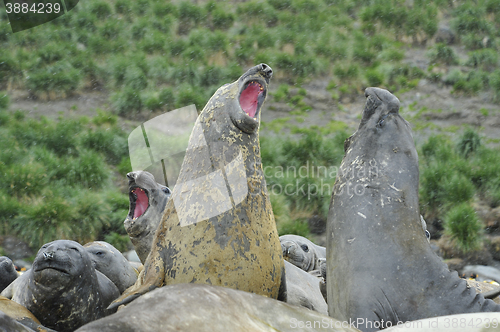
[[157, 55]]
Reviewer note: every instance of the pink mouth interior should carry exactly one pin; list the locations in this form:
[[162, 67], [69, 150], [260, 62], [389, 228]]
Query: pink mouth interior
[[249, 98], [141, 204]]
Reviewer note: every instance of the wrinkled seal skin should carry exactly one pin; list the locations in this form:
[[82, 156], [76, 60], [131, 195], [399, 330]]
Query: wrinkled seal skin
[[380, 266], [301, 252], [8, 272], [62, 289], [196, 308], [110, 262], [141, 230], [238, 248]]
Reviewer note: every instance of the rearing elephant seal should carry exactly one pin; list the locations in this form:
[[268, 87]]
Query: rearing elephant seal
[[147, 202], [62, 289], [218, 227], [380, 267]]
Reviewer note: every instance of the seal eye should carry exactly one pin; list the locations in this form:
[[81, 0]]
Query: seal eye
[[74, 248], [99, 253], [304, 247]]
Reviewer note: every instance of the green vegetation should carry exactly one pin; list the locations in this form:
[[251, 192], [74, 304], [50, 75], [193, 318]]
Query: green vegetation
[[155, 56], [57, 178], [136, 50], [451, 174]]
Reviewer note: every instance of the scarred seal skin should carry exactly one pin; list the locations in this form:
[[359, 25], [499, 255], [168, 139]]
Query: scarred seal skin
[[62, 289], [147, 201], [380, 266], [218, 227]]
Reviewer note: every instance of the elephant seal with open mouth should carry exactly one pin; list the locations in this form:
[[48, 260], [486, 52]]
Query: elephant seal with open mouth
[[381, 269], [147, 202], [62, 289], [218, 227]]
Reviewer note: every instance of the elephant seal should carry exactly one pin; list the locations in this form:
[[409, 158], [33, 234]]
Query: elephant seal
[[147, 201], [302, 289], [110, 262], [380, 267], [301, 252], [197, 307], [8, 272], [218, 227], [62, 289]]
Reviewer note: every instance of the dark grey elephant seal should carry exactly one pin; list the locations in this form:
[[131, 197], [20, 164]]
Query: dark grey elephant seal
[[218, 227], [110, 262], [62, 289], [302, 289], [301, 252], [196, 308], [8, 272], [380, 267], [147, 202]]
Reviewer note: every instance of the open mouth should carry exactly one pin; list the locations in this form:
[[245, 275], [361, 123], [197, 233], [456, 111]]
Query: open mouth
[[251, 98], [139, 202]]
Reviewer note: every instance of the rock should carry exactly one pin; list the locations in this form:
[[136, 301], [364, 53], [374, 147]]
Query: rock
[[445, 35], [455, 264], [478, 257], [482, 271], [493, 245], [15, 248]]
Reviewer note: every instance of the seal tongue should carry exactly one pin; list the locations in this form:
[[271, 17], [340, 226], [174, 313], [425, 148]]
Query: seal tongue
[[249, 98], [141, 204]]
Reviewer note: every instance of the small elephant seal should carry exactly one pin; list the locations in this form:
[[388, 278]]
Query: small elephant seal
[[301, 252], [20, 314], [147, 201], [110, 262], [302, 289], [218, 227], [205, 308], [8, 272], [381, 269], [9, 324], [63, 289]]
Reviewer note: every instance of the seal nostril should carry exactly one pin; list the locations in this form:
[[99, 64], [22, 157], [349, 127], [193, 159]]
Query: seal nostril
[[48, 255], [268, 72]]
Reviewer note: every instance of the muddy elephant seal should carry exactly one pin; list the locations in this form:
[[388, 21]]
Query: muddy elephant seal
[[218, 227], [301, 252], [196, 308], [147, 201], [380, 267], [8, 272], [110, 262], [62, 289]]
